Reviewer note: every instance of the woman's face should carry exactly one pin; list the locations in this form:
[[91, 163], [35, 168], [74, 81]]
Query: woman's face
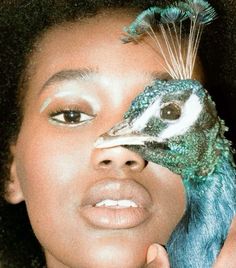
[[81, 81]]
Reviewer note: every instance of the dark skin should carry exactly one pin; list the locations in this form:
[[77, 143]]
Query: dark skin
[[157, 256]]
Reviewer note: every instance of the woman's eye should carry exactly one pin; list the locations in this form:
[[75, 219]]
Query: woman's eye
[[170, 111], [71, 117]]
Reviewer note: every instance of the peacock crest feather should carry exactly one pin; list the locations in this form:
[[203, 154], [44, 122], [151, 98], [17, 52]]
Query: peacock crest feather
[[178, 47]]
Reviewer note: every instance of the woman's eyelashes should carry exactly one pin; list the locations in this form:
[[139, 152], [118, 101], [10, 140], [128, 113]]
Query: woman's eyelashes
[[70, 117]]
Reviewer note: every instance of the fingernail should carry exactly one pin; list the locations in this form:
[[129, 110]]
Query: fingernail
[[153, 252]]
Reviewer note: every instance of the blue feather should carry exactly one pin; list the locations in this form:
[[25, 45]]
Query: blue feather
[[211, 205], [173, 14], [200, 11]]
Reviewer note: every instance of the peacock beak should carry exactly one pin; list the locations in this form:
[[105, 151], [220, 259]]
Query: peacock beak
[[122, 134]]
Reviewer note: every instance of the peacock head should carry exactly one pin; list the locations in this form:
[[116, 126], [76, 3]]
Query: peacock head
[[174, 124]]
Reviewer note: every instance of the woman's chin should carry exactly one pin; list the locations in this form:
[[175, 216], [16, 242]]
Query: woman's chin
[[102, 254], [93, 248], [118, 255]]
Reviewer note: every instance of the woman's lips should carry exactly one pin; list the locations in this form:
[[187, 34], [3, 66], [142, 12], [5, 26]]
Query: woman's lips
[[116, 204]]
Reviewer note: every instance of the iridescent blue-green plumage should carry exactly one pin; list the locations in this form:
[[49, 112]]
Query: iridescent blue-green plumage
[[200, 235], [144, 20], [199, 11]]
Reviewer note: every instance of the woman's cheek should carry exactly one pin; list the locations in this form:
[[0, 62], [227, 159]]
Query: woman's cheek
[[49, 177], [47, 162]]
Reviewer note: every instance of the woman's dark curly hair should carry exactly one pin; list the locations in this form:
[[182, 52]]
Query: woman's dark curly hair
[[21, 24]]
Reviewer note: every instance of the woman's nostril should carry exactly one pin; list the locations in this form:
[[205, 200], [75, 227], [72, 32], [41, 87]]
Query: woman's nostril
[[136, 165], [118, 158], [106, 162], [131, 163]]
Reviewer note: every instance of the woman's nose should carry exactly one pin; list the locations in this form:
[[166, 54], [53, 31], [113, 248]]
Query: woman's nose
[[118, 158]]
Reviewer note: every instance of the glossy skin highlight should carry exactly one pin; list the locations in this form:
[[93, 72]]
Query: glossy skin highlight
[[55, 164]]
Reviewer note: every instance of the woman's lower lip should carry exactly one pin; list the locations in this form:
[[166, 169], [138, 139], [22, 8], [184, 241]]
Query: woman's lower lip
[[114, 218]]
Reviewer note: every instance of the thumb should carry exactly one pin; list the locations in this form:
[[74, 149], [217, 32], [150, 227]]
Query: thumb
[[157, 257]]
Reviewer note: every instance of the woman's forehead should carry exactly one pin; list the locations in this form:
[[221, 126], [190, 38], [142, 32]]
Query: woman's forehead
[[63, 50], [94, 44]]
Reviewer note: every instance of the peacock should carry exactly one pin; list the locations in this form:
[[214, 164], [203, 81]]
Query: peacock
[[174, 123]]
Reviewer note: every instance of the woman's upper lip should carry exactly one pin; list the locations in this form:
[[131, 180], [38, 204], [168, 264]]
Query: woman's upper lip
[[117, 189]]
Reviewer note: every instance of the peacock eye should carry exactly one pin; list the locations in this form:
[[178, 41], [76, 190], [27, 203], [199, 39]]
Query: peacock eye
[[170, 111]]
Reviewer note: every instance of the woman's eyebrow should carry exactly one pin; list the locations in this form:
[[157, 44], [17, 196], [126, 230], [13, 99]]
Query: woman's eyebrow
[[161, 76], [84, 73], [68, 75]]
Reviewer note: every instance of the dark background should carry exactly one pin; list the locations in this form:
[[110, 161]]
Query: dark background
[[218, 51]]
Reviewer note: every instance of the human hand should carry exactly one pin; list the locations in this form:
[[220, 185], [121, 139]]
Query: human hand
[[157, 257]]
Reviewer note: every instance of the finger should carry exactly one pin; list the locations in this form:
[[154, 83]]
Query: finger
[[157, 257], [227, 256]]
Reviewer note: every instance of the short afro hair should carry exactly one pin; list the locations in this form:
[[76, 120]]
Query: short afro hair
[[21, 24]]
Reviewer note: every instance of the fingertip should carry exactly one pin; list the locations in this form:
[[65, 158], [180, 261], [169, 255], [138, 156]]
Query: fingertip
[[152, 253], [157, 253]]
